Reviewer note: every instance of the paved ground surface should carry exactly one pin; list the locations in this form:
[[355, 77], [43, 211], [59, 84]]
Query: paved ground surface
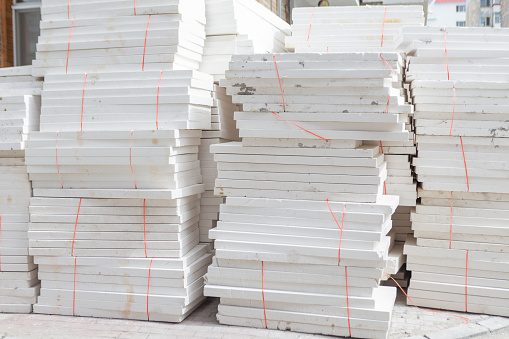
[[408, 321]]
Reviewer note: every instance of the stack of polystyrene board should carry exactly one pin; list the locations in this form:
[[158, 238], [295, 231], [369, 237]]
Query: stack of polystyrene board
[[96, 36], [19, 115], [117, 179], [111, 240], [123, 101], [458, 257], [114, 160], [349, 29], [20, 107], [464, 60], [298, 175], [239, 27], [19, 286], [222, 130]]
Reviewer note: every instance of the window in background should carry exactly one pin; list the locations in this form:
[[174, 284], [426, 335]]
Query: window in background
[[460, 24], [461, 8], [26, 17], [485, 22], [496, 18], [485, 3]]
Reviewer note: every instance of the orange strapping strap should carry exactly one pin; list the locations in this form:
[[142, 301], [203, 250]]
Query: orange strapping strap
[[134, 7], [381, 147], [280, 86], [466, 282], [83, 101], [148, 287], [423, 309], [145, 45], [74, 289], [465, 161], [312, 14], [75, 227], [450, 229], [453, 108], [347, 302], [446, 59], [383, 27], [157, 110], [68, 5], [56, 159], [144, 229], [0, 242], [385, 188], [69, 47], [392, 74], [392, 69], [130, 160], [340, 227], [316, 135], [263, 298]]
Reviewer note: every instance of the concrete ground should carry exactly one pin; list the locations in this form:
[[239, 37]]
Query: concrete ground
[[408, 321]]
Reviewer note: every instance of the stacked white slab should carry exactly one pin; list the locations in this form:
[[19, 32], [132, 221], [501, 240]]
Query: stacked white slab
[[222, 130], [465, 59], [280, 181], [115, 214], [117, 35], [112, 241], [239, 27], [162, 160], [20, 109], [351, 28], [459, 258], [125, 101], [366, 29]]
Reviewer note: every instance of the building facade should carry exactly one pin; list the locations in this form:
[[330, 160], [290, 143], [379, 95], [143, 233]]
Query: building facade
[[487, 13], [447, 13]]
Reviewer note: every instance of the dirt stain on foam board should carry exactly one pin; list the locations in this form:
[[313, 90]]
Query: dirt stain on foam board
[[130, 299]]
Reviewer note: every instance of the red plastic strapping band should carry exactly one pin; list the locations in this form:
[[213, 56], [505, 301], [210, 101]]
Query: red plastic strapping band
[[145, 45], [450, 229], [385, 189], [381, 147], [69, 47], [347, 302], [83, 101], [144, 229], [157, 110], [312, 14], [446, 59], [425, 310], [75, 227], [466, 283], [263, 298], [148, 287], [387, 107], [392, 69], [134, 7], [280, 86], [68, 11], [383, 27], [465, 161], [316, 135], [56, 159], [340, 227], [0, 242], [130, 160], [74, 289], [453, 108]]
